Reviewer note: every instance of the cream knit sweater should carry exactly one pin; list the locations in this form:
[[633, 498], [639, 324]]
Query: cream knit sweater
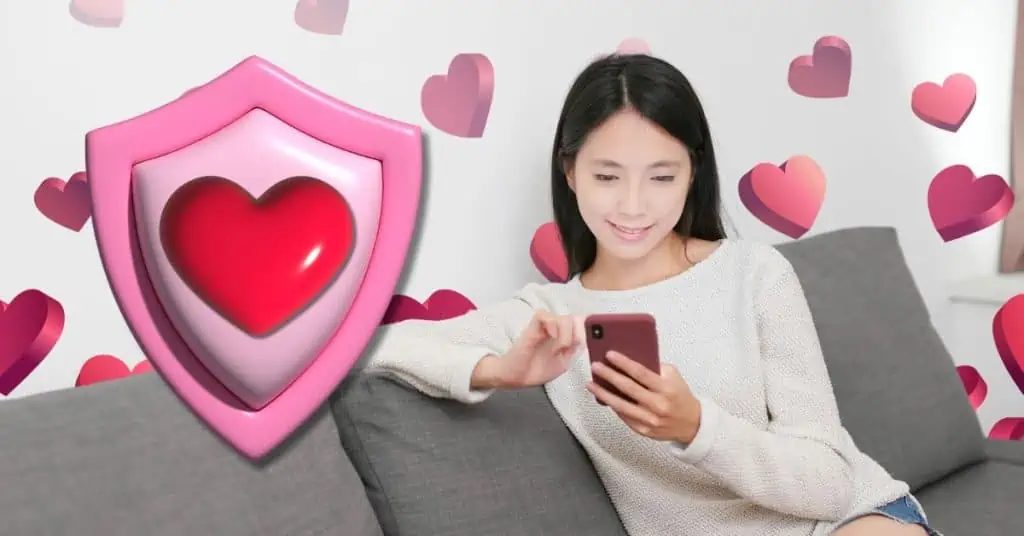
[[771, 457]]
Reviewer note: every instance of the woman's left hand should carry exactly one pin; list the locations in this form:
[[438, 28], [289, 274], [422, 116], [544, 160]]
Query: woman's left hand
[[664, 408]]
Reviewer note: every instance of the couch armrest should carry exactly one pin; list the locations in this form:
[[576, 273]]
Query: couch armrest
[[1005, 451]]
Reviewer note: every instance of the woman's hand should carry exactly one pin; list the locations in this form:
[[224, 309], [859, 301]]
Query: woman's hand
[[541, 353], [664, 408]]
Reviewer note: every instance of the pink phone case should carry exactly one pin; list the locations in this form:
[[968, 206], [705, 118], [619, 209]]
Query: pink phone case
[[634, 335]]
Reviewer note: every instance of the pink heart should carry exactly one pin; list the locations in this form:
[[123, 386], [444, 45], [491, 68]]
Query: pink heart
[[66, 203], [786, 198], [633, 45], [825, 73], [946, 106], [98, 13], [29, 329], [321, 16], [458, 103], [548, 255], [1008, 429], [1008, 334], [441, 305], [974, 385], [961, 204], [103, 368]]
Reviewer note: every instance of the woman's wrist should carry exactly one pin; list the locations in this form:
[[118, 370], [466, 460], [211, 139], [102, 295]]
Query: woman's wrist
[[487, 374]]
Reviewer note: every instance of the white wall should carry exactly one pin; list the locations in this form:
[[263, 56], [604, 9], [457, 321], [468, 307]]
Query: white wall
[[485, 196]]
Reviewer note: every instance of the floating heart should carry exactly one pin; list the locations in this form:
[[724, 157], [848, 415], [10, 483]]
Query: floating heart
[[547, 253], [1008, 333], [441, 305], [458, 103], [786, 198], [30, 327], [257, 262], [974, 385], [66, 203], [961, 204], [321, 16], [1008, 429], [633, 45], [103, 368], [825, 73], [946, 106], [98, 13]]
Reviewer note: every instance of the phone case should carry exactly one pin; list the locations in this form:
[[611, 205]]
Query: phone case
[[634, 335]]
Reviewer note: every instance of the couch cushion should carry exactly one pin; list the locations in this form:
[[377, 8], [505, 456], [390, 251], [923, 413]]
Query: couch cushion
[[983, 500], [507, 465], [126, 457], [897, 387]]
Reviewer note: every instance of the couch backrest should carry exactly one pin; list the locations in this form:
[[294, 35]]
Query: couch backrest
[[126, 457], [897, 387]]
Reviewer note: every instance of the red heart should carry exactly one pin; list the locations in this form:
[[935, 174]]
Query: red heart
[[102, 368], [258, 262], [1008, 331], [441, 305], [974, 385]]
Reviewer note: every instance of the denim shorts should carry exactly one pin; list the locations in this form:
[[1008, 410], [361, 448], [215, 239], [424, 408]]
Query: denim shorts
[[904, 510]]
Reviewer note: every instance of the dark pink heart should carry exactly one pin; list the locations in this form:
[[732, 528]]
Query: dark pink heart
[[30, 327], [1010, 428], [547, 253], [441, 305], [974, 385], [786, 198], [67, 203], [961, 204], [103, 368], [1008, 333], [825, 73]]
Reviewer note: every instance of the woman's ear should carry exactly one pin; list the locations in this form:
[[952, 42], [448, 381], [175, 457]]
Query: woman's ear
[[570, 176]]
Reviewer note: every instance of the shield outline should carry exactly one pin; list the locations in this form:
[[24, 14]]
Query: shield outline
[[111, 153]]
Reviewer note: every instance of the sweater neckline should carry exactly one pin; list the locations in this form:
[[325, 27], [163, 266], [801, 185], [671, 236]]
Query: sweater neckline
[[658, 287]]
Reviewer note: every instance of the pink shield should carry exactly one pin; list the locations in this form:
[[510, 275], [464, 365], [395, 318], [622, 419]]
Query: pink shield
[[253, 232]]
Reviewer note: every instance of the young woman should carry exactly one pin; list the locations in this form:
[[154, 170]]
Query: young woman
[[740, 434]]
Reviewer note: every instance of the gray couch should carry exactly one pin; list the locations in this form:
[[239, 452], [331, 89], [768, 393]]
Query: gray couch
[[125, 458]]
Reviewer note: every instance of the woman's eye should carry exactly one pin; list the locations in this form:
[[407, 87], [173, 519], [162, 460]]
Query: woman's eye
[[664, 178], [601, 177]]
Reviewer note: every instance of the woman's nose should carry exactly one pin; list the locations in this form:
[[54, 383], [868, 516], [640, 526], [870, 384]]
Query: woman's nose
[[631, 201]]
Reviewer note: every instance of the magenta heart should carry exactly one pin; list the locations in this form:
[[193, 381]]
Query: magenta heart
[[29, 329], [441, 305], [825, 73], [961, 204], [101, 368], [458, 103], [1008, 429], [321, 16], [68, 204], [974, 385]]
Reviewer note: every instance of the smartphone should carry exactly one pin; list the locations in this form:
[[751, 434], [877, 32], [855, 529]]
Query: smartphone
[[634, 335]]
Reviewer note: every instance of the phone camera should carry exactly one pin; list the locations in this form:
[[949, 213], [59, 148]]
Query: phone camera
[[597, 331]]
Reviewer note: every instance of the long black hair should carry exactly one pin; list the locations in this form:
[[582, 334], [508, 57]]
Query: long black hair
[[661, 94]]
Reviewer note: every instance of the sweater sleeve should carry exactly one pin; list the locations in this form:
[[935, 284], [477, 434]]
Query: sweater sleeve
[[796, 466], [438, 357]]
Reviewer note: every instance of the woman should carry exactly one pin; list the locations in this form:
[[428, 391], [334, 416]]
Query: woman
[[740, 433]]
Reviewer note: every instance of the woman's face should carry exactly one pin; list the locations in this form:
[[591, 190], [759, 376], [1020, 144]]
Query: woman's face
[[631, 179]]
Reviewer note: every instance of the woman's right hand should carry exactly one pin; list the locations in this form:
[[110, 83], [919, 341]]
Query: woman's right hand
[[541, 353]]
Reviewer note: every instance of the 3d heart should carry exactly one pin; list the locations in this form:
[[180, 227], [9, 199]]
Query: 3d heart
[[258, 262]]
